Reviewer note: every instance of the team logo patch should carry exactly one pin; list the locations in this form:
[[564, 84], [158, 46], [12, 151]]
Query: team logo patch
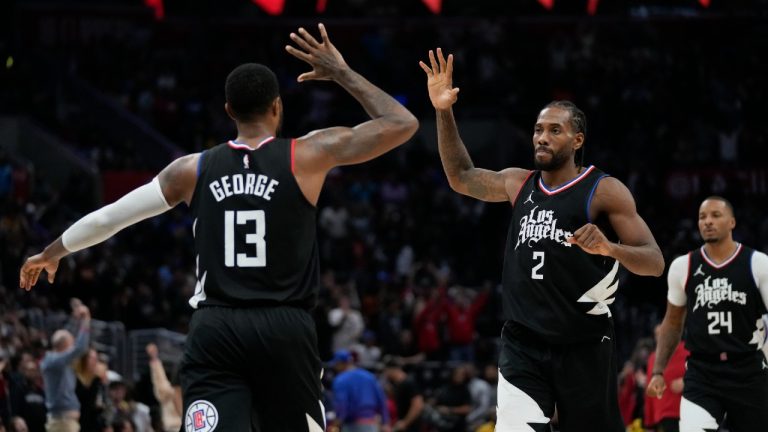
[[201, 416]]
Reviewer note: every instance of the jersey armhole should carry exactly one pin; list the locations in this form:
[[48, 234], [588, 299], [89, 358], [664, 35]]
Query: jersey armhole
[[200, 163], [592, 195], [687, 274], [514, 201]]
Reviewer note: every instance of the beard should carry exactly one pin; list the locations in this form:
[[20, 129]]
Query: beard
[[555, 163]]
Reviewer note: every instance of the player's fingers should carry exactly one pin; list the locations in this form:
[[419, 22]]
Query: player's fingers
[[300, 42], [426, 68], [307, 76], [449, 66], [455, 91], [308, 37], [432, 61], [301, 55], [324, 33], [51, 276], [441, 60]]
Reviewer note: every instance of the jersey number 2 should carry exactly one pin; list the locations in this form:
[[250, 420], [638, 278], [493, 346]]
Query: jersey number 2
[[535, 270], [242, 217]]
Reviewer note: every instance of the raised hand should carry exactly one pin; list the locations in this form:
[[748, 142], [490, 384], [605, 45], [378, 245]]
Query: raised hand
[[440, 80], [32, 268], [152, 351], [325, 59]]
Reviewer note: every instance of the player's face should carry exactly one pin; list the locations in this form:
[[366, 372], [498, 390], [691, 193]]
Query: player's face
[[716, 222], [554, 139]]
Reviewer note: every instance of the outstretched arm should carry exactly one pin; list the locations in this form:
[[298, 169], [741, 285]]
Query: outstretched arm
[[637, 250], [316, 153], [173, 185], [462, 175]]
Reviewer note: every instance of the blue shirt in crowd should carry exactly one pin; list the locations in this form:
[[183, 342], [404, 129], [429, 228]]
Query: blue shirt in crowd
[[358, 395], [59, 377]]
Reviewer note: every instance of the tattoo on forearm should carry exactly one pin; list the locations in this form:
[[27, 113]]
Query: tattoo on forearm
[[668, 341]]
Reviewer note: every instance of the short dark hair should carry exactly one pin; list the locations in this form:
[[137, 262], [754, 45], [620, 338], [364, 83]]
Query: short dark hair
[[723, 200], [250, 90], [578, 122]]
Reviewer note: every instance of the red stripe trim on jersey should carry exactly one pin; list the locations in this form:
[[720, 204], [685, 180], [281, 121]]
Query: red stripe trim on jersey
[[293, 156], [567, 185], [514, 201], [724, 263], [241, 146]]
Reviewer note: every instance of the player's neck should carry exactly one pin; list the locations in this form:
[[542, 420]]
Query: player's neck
[[556, 178], [721, 250], [251, 134]]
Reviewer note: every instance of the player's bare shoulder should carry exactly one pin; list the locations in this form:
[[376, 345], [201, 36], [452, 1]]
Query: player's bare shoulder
[[514, 178], [178, 179]]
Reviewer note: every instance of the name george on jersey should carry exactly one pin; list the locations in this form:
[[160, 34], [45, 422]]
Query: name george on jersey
[[541, 224], [713, 291], [243, 184]]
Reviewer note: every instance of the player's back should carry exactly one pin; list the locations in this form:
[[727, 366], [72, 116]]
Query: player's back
[[254, 229]]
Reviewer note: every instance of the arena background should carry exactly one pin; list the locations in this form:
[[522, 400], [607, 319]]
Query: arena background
[[97, 96]]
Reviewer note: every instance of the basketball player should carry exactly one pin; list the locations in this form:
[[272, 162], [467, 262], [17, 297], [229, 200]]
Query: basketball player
[[719, 293], [251, 361], [560, 268]]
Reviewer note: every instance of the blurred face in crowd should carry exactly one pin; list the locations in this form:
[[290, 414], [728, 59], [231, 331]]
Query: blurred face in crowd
[[554, 140], [30, 370], [716, 221], [459, 375]]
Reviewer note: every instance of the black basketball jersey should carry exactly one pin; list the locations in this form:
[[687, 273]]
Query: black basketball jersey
[[550, 286], [724, 304], [254, 229]]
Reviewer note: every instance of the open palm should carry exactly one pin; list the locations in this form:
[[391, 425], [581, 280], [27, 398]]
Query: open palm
[[440, 80]]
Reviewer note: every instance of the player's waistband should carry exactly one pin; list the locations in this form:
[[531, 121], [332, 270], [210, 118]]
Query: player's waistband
[[723, 356], [255, 304]]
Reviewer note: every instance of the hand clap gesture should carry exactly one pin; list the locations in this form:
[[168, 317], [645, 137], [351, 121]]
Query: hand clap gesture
[[440, 80], [325, 59]]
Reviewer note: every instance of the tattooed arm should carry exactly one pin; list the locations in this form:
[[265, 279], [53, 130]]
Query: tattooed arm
[[316, 153], [462, 175]]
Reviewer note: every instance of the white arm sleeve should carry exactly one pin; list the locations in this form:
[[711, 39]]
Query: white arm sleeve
[[139, 204], [678, 273], [760, 272]]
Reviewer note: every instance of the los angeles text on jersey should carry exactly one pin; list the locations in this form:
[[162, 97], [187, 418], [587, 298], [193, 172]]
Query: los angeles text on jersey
[[243, 184], [541, 224], [713, 291]]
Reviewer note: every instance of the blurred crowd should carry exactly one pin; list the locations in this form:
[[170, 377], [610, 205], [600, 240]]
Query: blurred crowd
[[411, 270]]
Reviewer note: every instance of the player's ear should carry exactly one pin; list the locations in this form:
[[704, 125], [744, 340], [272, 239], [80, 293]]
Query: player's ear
[[277, 106], [229, 111], [578, 140]]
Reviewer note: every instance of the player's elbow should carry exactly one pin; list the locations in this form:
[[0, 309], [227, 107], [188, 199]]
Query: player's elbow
[[406, 126]]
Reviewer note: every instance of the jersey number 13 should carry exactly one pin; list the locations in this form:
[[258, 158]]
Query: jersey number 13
[[243, 217]]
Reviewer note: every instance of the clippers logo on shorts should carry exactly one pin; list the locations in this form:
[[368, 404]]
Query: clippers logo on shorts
[[712, 291], [201, 416], [538, 225]]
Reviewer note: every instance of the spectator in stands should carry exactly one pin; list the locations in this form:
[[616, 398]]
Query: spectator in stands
[[59, 376], [168, 395], [347, 323], [462, 314], [122, 408], [408, 398], [483, 399], [18, 425], [91, 391], [358, 399], [452, 403], [27, 394]]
